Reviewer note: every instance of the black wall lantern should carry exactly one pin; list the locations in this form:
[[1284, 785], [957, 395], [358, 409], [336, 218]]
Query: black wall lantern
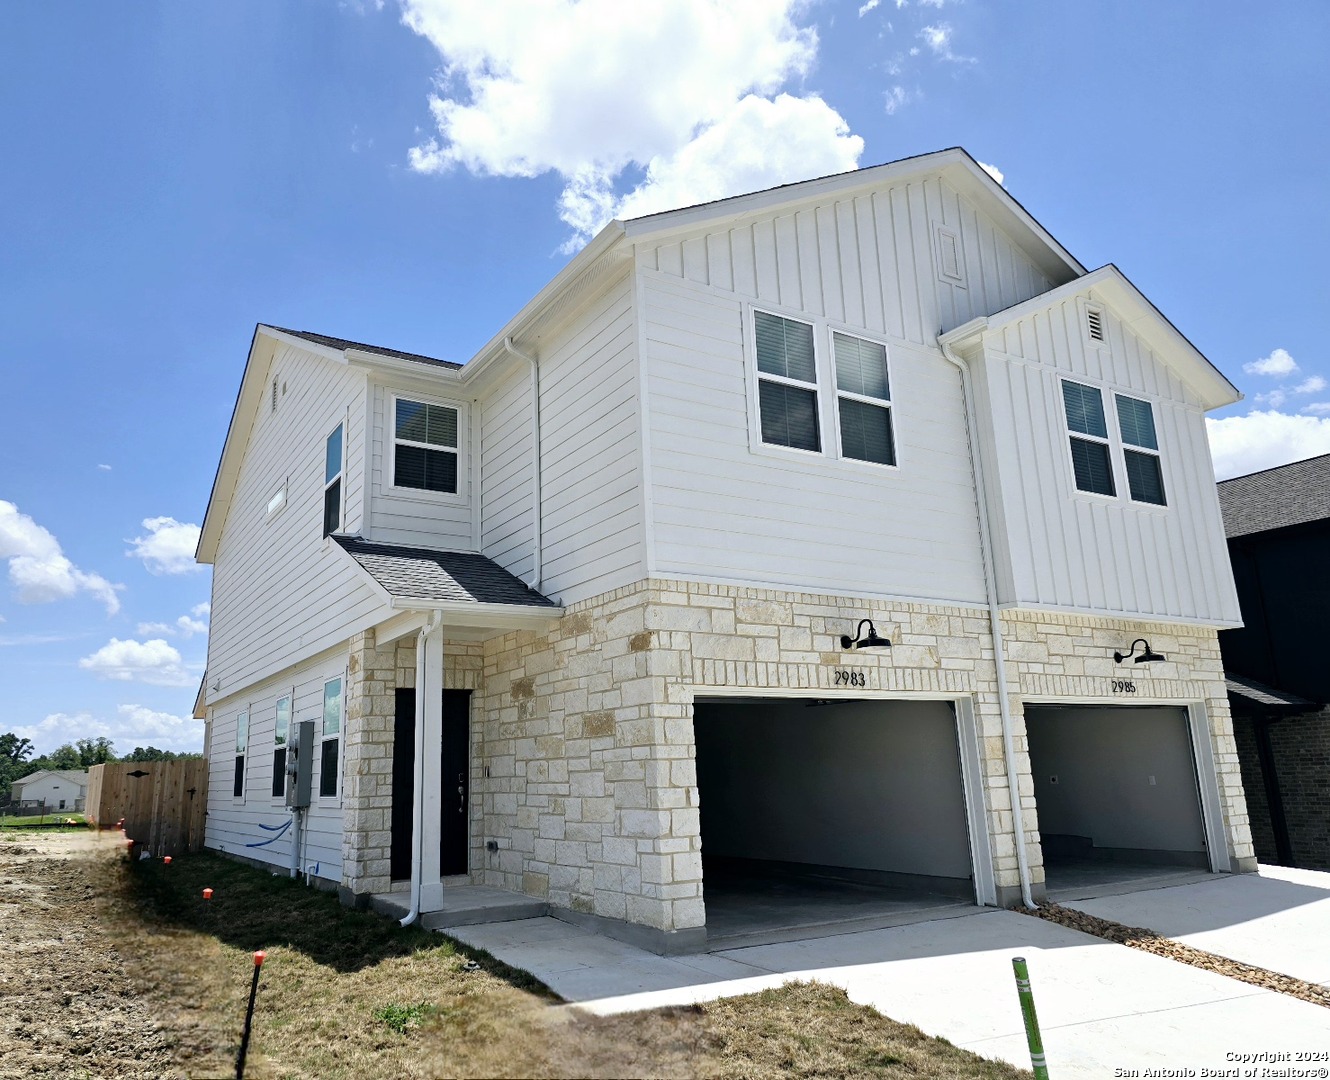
[[872, 641], [1147, 654]]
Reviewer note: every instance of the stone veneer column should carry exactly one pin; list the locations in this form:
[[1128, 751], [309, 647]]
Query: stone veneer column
[[367, 769]]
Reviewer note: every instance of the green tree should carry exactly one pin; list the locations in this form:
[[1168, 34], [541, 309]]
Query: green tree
[[14, 764], [149, 753], [96, 751]]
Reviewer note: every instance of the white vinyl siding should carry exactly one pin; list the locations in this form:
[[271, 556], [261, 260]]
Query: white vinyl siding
[[506, 481]]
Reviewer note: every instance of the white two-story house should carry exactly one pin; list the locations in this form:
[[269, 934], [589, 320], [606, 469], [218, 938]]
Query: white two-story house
[[601, 615]]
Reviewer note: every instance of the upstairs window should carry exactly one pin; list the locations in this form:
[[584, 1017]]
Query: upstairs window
[[425, 446], [332, 483], [1140, 450], [1088, 429], [281, 732], [242, 746], [329, 758], [863, 400], [787, 382]]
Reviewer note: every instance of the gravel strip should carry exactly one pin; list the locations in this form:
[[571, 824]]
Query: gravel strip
[[1138, 937]]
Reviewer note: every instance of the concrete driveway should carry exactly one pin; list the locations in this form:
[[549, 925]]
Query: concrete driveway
[[1102, 1007], [1277, 919]]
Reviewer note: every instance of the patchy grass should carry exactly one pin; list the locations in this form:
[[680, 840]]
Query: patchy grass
[[348, 994], [58, 821]]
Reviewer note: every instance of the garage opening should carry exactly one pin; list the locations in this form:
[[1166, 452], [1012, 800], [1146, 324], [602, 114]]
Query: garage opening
[[1117, 795], [828, 816]]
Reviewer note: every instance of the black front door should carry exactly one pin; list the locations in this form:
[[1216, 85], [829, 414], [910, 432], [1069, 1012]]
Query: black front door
[[456, 781], [404, 784]]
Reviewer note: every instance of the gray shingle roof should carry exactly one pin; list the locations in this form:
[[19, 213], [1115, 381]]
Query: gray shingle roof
[[1288, 495], [426, 574], [1260, 694], [343, 343]]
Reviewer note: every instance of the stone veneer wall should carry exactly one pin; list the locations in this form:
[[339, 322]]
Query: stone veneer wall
[[585, 773]]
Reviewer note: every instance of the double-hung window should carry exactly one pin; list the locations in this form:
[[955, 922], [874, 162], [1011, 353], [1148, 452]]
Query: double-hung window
[[424, 446], [329, 758], [787, 382], [332, 482], [863, 400], [1091, 459], [281, 732], [1140, 450], [242, 747]]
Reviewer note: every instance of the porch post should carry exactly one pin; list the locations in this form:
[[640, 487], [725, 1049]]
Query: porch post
[[431, 702]]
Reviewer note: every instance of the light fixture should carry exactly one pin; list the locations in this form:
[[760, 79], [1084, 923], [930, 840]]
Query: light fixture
[[872, 641], [1147, 656]]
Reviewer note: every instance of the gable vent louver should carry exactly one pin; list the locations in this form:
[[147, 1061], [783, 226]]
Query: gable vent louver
[[1094, 321]]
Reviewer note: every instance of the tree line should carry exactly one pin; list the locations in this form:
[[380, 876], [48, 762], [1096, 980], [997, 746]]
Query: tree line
[[16, 760]]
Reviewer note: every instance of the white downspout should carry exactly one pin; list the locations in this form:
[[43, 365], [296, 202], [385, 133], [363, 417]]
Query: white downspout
[[536, 502], [995, 627], [418, 802]]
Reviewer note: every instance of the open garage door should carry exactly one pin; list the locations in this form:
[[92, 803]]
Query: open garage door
[[1116, 793], [820, 813]]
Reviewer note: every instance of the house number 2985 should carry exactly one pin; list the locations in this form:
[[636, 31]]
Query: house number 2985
[[1122, 686], [851, 678]]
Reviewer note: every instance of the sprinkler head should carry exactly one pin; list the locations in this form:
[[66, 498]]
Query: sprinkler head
[[259, 957], [166, 859], [207, 894]]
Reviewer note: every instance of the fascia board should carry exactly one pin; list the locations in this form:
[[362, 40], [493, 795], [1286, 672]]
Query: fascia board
[[493, 350], [1137, 312], [397, 366], [485, 616]]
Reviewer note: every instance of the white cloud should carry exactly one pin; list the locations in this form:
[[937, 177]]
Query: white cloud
[[104, 468], [39, 569], [201, 611], [1277, 363], [147, 629], [594, 90], [932, 3], [938, 38], [866, 8], [153, 661], [1314, 384], [1275, 398], [895, 98], [133, 725], [196, 622], [169, 546], [1317, 407], [992, 171], [1262, 440]]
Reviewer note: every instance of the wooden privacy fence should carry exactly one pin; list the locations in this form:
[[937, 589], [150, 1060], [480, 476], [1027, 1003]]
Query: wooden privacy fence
[[162, 802]]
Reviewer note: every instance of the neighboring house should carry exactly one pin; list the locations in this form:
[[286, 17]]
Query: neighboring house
[[59, 789], [1278, 527], [591, 590]]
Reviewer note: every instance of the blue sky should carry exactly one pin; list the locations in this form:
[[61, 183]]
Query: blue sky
[[409, 174]]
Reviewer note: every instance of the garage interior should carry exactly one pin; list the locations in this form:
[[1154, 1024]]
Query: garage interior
[[1117, 796], [828, 816]]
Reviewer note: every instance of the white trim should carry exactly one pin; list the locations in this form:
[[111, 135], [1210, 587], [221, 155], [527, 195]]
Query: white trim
[[290, 698], [424, 495], [335, 799], [339, 479], [241, 754], [960, 279]]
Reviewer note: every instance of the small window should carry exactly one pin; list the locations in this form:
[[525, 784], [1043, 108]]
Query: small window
[[1140, 451], [425, 446], [1090, 458], [281, 731], [787, 382], [242, 745], [332, 733], [863, 398], [332, 483]]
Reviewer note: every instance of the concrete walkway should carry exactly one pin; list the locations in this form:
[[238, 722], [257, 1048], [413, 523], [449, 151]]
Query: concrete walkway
[[1102, 1007], [1277, 919]]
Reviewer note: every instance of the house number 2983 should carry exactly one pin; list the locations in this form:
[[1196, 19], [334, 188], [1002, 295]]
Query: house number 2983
[[1123, 686], [851, 678]]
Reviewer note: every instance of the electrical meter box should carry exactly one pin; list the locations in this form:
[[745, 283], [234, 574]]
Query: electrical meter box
[[300, 766]]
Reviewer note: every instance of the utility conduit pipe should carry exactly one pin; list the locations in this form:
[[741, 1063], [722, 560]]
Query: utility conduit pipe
[[995, 626], [418, 798], [537, 556]]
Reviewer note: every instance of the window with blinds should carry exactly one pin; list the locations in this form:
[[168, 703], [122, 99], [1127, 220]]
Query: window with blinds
[[1140, 451], [332, 482], [425, 446], [787, 382], [1090, 452], [329, 751], [863, 400]]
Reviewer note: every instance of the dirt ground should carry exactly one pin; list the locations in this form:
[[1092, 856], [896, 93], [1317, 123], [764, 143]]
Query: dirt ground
[[68, 1005]]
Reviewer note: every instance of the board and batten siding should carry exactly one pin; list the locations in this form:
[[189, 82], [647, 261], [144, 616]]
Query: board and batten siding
[[418, 518], [1065, 549], [724, 511], [866, 261], [281, 592], [233, 824]]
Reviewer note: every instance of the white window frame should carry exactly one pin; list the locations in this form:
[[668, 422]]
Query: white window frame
[[340, 737], [1117, 462], [290, 698], [283, 494], [390, 437], [240, 755], [339, 478], [1157, 453], [828, 395]]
